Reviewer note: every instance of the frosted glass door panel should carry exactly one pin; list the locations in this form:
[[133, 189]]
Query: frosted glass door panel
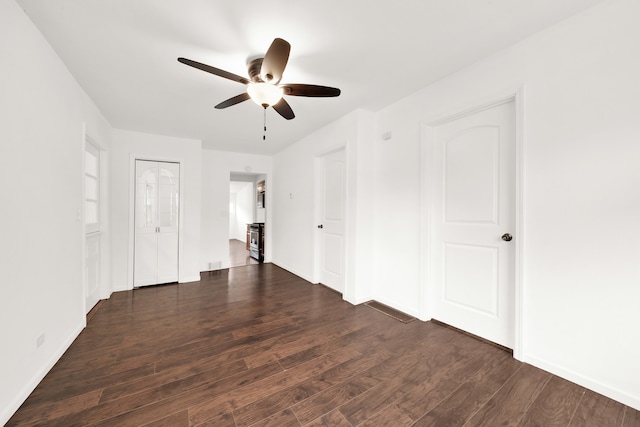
[[146, 196], [168, 195]]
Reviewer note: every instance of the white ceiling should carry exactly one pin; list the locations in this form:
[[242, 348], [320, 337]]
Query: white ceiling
[[123, 53]]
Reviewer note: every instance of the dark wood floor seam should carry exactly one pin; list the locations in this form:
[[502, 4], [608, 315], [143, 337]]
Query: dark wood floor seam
[[573, 414], [495, 393], [528, 406]]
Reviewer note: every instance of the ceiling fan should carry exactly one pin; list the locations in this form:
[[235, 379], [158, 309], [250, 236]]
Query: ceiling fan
[[263, 83]]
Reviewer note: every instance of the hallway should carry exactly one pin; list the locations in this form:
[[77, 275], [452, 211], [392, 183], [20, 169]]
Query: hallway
[[238, 254]]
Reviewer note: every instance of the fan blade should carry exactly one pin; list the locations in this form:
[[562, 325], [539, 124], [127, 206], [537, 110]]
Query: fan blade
[[233, 101], [284, 109], [275, 60], [214, 70], [310, 90]]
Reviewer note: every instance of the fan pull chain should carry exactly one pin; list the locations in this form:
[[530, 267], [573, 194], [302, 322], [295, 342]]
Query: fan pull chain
[[264, 135]]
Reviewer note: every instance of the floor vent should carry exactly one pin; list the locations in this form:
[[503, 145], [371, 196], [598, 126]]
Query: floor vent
[[391, 312]]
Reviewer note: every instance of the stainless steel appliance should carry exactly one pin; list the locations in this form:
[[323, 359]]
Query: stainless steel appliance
[[256, 241]]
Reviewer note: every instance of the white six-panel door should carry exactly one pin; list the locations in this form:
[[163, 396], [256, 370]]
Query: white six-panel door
[[156, 222], [473, 217]]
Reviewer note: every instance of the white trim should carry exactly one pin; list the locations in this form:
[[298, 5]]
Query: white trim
[[21, 396], [518, 346], [294, 272], [188, 279], [584, 381], [104, 287], [80, 216], [426, 177], [317, 215], [131, 224]]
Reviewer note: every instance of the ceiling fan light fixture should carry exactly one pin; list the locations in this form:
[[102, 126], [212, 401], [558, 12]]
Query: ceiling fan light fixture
[[264, 76], [264, 94]]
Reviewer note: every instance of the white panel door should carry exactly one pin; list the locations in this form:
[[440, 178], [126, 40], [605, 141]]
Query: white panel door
[[92, 270], [473, 217], [92, 226], [156, 222], [332, 225]]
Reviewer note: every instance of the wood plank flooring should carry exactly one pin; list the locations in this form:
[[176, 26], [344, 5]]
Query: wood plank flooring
[[258, 346]]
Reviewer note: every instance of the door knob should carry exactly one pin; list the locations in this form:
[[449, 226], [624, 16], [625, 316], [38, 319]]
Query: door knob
[[507, 237], [321, 226]]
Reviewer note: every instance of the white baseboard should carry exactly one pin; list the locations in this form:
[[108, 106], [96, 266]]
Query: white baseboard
[[594, 385], [24, 393], [358, 301], [292, 271], [189, 279]]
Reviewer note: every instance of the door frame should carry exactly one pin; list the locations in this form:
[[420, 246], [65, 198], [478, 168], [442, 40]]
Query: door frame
[[427, 140], [104, 287], [252, 178], [132, 208]]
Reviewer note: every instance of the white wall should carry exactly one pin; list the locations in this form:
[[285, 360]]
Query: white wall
[[127, 146], [581, 207], [42, 114], [581, 180], [245, 207], [295, 203], [243, 199], [214, 233]]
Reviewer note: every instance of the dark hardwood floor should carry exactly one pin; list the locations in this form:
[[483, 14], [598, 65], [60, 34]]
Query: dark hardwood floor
[[258, 346]]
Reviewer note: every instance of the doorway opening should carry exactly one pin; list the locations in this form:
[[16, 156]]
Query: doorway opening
[[246, 207], [239, 255]]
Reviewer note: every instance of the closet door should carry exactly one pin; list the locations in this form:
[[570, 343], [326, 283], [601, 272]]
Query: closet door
[[156, 222]]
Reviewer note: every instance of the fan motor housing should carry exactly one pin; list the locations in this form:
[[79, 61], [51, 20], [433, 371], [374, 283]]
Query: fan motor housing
[[254, 68]]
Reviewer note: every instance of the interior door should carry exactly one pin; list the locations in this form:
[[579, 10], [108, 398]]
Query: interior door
[[156, 222], [331, 227], [92, 225], [92, 270], [473, 218]]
